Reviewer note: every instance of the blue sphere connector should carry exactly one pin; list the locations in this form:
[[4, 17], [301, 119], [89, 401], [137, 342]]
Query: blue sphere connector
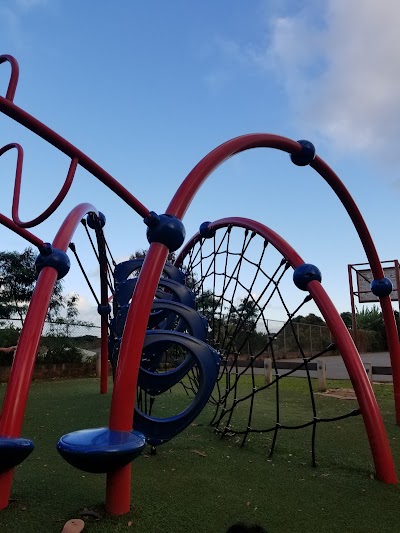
[[205, 230], [93, 220], [381, 287], [104, 310], [52, 257], [306, 156], [166, 229], [304, 274]]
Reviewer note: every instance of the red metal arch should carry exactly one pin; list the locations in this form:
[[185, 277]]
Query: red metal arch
[[189, 187], [12, 85], [16, 395]]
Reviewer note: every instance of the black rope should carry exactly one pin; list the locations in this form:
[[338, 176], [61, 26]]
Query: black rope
[[73, 248], [110, 254], [218, 269]]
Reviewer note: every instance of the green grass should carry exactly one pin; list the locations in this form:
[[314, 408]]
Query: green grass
[[179, 490]]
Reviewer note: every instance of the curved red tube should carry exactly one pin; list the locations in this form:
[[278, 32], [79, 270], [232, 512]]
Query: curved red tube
[[17, 188], [28, 121], [194, 180], [196, 177], [25, 234], [16, 396], [125, 383], [376, 267], [12, 85]]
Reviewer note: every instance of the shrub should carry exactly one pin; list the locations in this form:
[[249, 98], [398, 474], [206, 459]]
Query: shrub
[[59, 350], [8, 337]]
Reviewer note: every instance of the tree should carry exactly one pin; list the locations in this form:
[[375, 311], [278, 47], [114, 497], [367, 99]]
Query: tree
[[312, 319], [208, 305], [17, 283], [70, 303], [245, 313], [370, 326], [347, 319], [138, 254]]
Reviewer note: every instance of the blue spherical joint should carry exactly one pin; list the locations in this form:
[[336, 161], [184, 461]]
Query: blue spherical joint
[[104, 310], [167, 230], [152, 219], [94, 220], [205, 231], [46, 249], [381, 287], [52, 257], [304, 274], [306, 156]]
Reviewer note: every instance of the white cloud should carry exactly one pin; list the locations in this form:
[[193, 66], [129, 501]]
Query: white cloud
[[88, 311], [27, 5], [339, 63], [225, 56], [13, 14], [10, 26]]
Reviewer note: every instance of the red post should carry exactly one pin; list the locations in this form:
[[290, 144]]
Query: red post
[[118, 491], [394, 350], [380, 448], [16, 396], [125, 383]]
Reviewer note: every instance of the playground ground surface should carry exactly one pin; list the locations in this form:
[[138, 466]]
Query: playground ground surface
[[202, 484]]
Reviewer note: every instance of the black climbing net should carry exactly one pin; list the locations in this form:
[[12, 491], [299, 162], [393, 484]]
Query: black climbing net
[[240, 281]]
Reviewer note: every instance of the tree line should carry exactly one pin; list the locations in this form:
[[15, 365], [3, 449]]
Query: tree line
[[17, 283], [235, 328]]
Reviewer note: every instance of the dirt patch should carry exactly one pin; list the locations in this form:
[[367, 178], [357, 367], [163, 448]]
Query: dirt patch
[[342, 394]]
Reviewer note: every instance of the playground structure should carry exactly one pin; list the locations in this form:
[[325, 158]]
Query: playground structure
[[156, 309]]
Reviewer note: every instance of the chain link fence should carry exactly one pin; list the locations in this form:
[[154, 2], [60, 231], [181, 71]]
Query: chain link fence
[[61, 341], [313, 338]]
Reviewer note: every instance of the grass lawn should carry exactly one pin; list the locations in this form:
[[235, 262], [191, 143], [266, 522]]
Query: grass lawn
[[202, 484]]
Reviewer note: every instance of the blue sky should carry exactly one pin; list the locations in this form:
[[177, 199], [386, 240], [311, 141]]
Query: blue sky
[[148, 88]]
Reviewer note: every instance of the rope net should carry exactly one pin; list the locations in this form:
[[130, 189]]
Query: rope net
[[240, 280]]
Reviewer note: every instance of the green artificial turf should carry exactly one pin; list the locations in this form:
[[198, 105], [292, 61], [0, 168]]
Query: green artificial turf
[[199, 483]]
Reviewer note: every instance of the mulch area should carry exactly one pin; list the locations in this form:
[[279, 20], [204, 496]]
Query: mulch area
[[341, 394]]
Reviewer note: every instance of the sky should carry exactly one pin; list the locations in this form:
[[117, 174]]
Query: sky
[[147, 89]]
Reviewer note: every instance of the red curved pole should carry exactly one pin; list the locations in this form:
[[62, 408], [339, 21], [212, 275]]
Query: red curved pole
[[12, 84], [25, 234], [16, 395], [28, 121], [5, 221], [372, 417], [17, 188], [192, 183], [118, 492], [195, 179], [376, 267]]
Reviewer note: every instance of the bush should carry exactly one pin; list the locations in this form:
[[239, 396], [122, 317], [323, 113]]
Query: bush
[[59, 350], [8, 337]]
